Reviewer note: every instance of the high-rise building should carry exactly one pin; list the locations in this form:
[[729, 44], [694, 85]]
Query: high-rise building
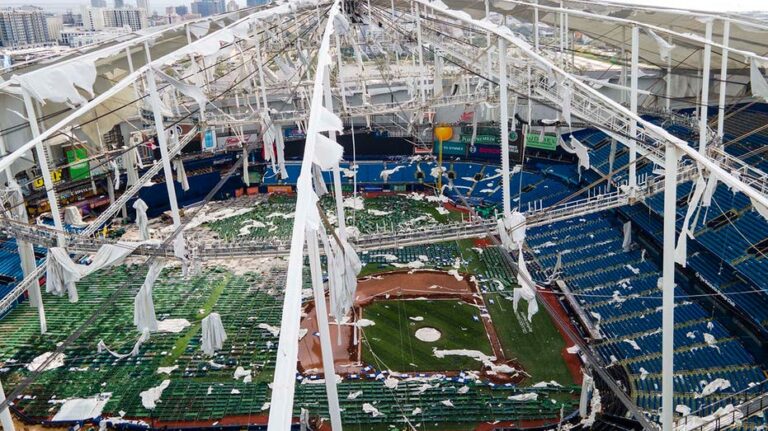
[[93, 18], [208, 7], [23, 27], [119, 4], [182, 10], [136, 19], [69, 18], [232, 6], [98, 3], [143, 4], [55, 25], [252, 3]]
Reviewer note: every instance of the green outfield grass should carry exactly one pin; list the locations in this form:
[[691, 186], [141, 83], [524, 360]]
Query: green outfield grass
[[538, 347], [391, 342], [539, 351]]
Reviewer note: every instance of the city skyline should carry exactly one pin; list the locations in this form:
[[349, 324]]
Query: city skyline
[[60, 6]]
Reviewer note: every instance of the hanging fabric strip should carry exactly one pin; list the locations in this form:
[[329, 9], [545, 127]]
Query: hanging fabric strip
[[762, 210], [706, 200], [280, 147], [517, 224], [757, 81], [334, 276], [681, 250], [188, 90], [625, 245], [506, 241], [143, 305], [62, 273], [144, 337], [527, 289], [566, 102], [665, 48], [328, 152], [214, 335], [318, 181], [142, 222], [246, 175], [129, 159], [269, 135], [581, 151], [116, 174], [181, 173], [558, 264]]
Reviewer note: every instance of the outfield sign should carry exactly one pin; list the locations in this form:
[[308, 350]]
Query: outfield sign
[[38, 183], [491, 150], [546, 142], [451, 148], [480, 139]]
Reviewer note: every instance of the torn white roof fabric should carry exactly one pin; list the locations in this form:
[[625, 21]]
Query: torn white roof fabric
[[142, 222], [214, 335], [60, 84], [144, 337], [143, 306], [757, 80], [181, 173], [681, 250], [62, 273]]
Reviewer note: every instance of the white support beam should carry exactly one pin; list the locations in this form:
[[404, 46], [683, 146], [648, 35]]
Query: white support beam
[[422, 80], [561, 28], [668, 289], [326, 349], [723, 79], [284, 382], [621, 114], [5, 415], [634, 75], [667, 85], [338, 197], [262, 82], [26, 251], [704, 106], [536, 27], [687, 38], [504, 122], [42, 159], [162, 142], [340, 73]]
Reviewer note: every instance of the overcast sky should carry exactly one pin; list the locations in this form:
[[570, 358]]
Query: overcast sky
[[708, 5]]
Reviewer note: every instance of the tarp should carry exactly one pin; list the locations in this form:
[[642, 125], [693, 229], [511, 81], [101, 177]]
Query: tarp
[[62, 273]]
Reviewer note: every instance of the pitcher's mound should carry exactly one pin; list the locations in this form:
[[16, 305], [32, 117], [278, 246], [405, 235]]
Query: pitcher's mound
[[429, 335]]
